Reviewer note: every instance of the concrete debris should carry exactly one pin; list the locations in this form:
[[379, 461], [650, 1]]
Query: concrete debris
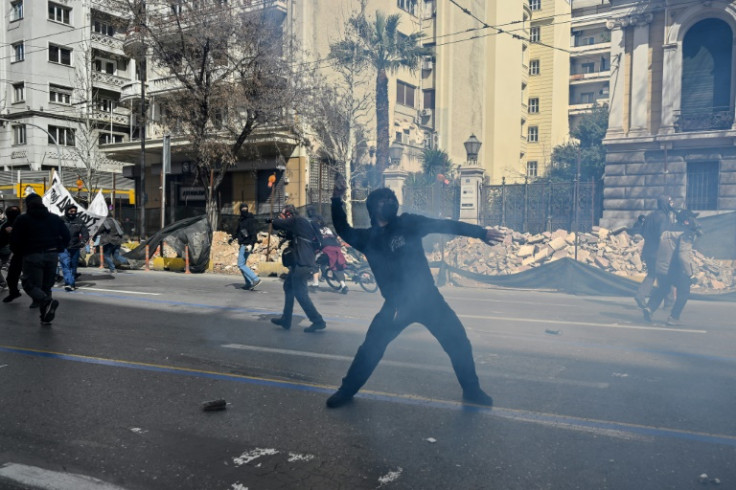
[[614, 251]]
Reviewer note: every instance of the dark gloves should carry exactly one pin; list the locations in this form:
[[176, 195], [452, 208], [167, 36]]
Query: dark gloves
[[269, 221]]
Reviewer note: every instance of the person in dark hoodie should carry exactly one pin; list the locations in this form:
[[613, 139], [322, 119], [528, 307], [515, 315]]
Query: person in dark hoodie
[[69, 258], [651, 230], [111, 238], [301, 237], [393, 247], [674, 265], [247, 236], [39, 236], [15, 265]]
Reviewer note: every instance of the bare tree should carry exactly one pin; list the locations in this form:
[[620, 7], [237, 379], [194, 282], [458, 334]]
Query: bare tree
[[228, 74]]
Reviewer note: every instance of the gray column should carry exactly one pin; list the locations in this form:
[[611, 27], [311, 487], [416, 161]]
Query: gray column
[[640, 102], [471, 182], [618, 81], [671, 87]]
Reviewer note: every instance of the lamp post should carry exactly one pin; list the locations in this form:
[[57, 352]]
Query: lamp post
[[472, 147]]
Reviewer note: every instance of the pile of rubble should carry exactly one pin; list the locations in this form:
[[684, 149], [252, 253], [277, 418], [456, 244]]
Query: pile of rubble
[[224, 256], [614, 251]]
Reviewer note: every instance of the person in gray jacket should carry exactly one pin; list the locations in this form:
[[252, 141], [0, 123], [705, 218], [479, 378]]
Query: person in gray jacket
[[674, 265]]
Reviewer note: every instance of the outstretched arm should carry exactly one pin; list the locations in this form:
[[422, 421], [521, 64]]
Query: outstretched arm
[[425, 226], [355, 238]]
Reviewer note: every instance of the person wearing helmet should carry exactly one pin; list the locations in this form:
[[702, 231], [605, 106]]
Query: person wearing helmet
[[393, 247]]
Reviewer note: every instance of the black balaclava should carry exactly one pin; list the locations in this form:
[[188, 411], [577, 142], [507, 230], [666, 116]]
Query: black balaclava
[[34, 201], [12, 213], [244, 210], [68, 213], [386, 211]]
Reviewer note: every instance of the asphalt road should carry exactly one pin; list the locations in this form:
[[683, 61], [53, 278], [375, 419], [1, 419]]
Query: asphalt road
[[587, 396]]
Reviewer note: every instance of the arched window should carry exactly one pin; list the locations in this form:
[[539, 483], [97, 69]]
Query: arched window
[[706, 69]]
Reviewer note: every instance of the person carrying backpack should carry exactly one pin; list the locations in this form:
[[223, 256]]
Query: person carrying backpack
[[651, 230]]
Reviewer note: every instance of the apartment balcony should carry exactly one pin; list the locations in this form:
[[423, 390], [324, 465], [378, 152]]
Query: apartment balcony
[[108, 82], [108, 44], [118, 116], [109, 7], [591, 49], [524, 74], [711, 119], [163, 84], [596, 76], [523, 143], [585, 107], [130, 91]]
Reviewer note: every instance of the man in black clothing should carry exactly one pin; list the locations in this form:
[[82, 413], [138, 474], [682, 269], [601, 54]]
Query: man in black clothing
[[69, 257], [651, 230], [39, 236], [393, 247], [14, 268], [301, 238], [247, 236]]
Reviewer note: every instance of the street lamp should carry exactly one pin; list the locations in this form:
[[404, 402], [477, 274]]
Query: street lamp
[[394, 152], [472, 147]]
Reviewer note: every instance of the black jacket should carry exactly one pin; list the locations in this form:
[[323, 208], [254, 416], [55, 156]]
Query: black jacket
[[395, 252], [110, 232], [77, 231], [651, 230], [301, 235], [247, 233], [38, 231]]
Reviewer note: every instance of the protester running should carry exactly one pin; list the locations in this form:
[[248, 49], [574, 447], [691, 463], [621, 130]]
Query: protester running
[[393, 247], [247, 236]]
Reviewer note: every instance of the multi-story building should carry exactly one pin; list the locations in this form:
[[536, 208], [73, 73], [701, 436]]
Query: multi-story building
[[671, 124], [590, 57], [61, 78], [547, 100]]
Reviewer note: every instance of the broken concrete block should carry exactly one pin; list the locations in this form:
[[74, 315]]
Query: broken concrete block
[[526, 250], [558, 243]]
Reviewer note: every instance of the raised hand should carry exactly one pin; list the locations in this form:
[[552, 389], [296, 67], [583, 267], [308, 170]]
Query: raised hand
[[494, 236]]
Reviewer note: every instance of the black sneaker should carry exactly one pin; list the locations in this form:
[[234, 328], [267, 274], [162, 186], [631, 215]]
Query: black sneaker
[[477, 397], [344, 290], [640, 303], [10, 297], [315, 327], [280, 322], [338, 399], [48, 311], [647, 315], [68, 288]]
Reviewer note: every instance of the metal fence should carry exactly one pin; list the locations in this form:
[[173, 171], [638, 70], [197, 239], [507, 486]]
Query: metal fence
[[537, 207], [437, 200]]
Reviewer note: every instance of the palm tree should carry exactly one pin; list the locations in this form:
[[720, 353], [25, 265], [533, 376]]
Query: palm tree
[[435, 162], [382, 47]]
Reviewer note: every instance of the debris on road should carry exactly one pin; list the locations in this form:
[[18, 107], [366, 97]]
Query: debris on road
[[214, 405], [431, 440]]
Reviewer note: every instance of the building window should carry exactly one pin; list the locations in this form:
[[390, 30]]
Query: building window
[[531, 168], [103, 28], [586, 97], [16, 10], [106, 105], [428, 99], [706, 72], [108, 139], [19, 92], [59, 13], [588, 67], [408, 6], [533, 134], [535, 34], [19, 134], [19, 52], [405, 93], [535, 4], [702, 185], [534, 67], [58, 54], [534, 105], [60, 94], [64, 136], [105, 66]]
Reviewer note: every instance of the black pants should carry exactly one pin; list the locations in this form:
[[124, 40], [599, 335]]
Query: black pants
[[441, 321], [295, 286], [681, 282], [39, 275], [13, 276]]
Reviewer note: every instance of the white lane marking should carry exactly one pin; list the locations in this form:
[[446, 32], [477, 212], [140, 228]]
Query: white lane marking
[[423, 367], [40, 478], [118, 291], [389, 477], [249, 456], [583, 324], [300, 457]]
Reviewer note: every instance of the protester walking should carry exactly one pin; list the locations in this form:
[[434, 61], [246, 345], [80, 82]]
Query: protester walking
[[13, 260], [299, 259], [39, 236], [651, 230], [674, 265], [110, 237], [393, 247], [247, 236], [69, 258]]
